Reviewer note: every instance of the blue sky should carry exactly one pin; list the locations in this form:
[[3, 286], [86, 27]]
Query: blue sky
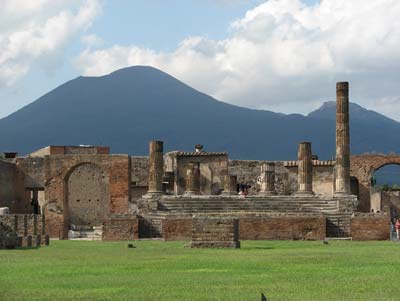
[[100, 36]]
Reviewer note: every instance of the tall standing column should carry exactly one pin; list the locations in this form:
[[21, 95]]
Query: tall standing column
[[193, 179], [342, 182], [156, 167], [304, 177], [268, 179]]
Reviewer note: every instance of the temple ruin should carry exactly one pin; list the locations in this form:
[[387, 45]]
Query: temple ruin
[[87, 192]]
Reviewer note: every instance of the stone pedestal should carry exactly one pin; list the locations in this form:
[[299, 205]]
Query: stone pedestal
[[156, 168], [304, 177], [268, 179], [342, 181], [193, 179], [230, 185]]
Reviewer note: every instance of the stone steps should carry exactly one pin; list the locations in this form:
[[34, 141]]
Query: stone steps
[[338, 225], [235, 204]]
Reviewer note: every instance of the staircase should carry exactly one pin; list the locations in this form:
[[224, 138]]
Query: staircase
[[338, 225], [192, 205]]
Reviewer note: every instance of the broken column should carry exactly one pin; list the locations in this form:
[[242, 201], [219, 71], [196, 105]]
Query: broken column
[[156, 168], [230, 185], [193, 179], [304, 177], [268, 179], [342, 182]]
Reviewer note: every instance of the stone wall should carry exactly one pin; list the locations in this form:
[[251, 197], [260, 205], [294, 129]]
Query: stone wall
[[215, 232], [370, 227], [12, 191], [256, 228], [213, 168], [87, 195], [121, 228], [57, 173], [29, 228], [248, 172], [282, 228], [178, 228]]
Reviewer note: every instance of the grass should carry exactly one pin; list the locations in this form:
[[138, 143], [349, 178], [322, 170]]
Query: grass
[[157, 270]]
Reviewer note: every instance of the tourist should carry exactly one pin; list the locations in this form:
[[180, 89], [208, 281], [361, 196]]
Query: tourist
[[397, 226]]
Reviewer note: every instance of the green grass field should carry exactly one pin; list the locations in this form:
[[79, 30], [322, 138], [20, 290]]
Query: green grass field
[[156, 270]]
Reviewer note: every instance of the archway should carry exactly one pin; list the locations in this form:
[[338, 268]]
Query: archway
[[385, 190], [363, 167], [87, 196]]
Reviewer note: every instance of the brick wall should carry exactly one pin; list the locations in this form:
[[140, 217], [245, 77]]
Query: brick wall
[[177, 228], [121, 228], [215, 232], [370, 227], [57, 170], [266, 228]]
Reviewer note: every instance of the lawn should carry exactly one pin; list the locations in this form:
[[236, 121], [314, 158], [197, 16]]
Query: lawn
[[157, 270]]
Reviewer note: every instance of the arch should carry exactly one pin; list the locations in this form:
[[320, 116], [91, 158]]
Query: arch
[[363, 167], [86, 195]]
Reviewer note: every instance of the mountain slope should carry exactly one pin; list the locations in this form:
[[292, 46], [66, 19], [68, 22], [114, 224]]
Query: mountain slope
[[131, 106]]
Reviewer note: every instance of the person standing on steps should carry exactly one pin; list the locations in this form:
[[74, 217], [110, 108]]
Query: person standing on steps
[[397, 226]]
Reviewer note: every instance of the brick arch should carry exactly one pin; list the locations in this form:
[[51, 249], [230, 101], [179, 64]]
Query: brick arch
[[363, 167]]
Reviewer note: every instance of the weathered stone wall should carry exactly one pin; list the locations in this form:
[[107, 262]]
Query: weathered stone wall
[[121, 228], [213, 169], [256, 227], [282, 228], [12, 191], [71, 150], [28, 228], [33, 170], [391, 202], [8, 237], [370, 227], [57, 172], [215, 232], [87, 195], [248, 172], [178, 228]]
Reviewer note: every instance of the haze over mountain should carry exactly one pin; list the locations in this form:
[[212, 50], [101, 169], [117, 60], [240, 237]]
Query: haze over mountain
[[131, 106]]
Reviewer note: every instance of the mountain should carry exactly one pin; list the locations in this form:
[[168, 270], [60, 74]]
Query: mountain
[[129, 107]]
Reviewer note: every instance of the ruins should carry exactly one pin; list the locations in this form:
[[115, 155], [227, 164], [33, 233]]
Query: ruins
[[85, 191]]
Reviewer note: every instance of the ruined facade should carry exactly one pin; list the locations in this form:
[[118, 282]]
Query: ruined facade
[[78, 188]]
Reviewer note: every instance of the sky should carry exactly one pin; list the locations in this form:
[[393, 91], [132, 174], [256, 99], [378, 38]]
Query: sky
[[278, 55]]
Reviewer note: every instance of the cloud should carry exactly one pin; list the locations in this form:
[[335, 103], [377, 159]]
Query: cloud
[[37, 31], [92, 40], [283, 55]]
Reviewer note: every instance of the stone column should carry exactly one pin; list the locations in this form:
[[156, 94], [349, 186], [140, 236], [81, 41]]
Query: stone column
[[268, 179], [156, 168], [193, 179], [230, 185], [342, 180], [304, 177]]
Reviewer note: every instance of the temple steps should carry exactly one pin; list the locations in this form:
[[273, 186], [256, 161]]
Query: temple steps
[[338, 225], [200, 205]]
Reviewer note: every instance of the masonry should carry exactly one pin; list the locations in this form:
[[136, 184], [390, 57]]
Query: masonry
[[82, 188]]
